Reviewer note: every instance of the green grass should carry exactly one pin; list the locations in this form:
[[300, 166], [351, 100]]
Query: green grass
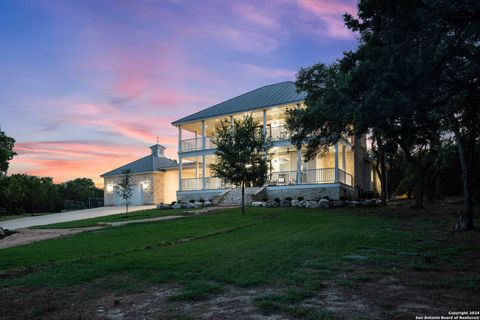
[[290, 248], [143, 214]]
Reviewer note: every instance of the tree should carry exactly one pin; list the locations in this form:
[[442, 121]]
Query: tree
[[242, 153], [6, 151], [126, 190]]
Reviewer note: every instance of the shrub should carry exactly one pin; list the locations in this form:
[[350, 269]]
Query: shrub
[[277, 200], [201, 200], [300, 198], [288, 199], [192, 201]]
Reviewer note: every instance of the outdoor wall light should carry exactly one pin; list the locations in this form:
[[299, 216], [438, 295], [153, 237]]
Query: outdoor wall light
[[146, 185], [110, 187]]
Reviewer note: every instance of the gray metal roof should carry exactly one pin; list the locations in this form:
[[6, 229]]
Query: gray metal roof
[[149, 163], [267, 96]]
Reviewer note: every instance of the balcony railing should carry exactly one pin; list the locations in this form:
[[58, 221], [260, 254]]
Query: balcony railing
[[196, 144], [276, 178], [345, 178], [311, 176], [211, 183], [278, 133]]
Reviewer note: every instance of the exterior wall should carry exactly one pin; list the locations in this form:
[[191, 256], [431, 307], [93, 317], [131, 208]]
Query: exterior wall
[[170, 186], [186, 196], [152, 194], [313, 192]]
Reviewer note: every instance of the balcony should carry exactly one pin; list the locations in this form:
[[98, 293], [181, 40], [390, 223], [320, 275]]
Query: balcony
[[278, 133], [195, 144], [211, 183], [278, 178]]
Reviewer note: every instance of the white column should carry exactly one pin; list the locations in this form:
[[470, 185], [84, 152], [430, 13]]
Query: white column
[[204, 181], [179, 158], [204, 169], [196, 137], [203, 134], [179, 139], [299, 165], [337, 173], [180, 169]]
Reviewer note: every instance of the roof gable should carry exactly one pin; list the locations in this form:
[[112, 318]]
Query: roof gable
[[267, 96]]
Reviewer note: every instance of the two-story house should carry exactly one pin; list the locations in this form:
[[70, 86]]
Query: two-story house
[[342, 172]]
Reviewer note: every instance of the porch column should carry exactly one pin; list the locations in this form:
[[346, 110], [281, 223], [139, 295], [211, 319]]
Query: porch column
[[337, 173], [180, 169], [196, 142], [203, 134], [179, 158], [299, 165], [204, 182]]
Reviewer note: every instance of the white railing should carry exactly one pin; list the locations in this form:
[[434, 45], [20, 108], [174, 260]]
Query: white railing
[[211, 183], [196, 144], [345, 178], [323, 175], [282, 178], [278, 133]]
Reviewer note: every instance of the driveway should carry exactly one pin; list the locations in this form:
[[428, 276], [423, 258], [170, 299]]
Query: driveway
[[68, 216]]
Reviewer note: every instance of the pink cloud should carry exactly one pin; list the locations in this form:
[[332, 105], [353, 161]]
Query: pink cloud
[[331, 12], [254, 15]]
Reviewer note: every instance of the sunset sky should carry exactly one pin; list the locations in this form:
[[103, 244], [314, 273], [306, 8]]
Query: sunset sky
[[86, 86]]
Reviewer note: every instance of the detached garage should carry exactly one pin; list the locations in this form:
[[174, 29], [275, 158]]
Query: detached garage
[[154, 180]]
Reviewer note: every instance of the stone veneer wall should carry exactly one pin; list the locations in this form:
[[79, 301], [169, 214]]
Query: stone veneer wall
[[153, 195], [186, 196]]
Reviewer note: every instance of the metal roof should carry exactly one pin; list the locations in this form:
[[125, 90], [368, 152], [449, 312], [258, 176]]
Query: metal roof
[[149, 163], [267, 96]]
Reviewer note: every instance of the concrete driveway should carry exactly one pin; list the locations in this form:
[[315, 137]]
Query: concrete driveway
[[68, 216]]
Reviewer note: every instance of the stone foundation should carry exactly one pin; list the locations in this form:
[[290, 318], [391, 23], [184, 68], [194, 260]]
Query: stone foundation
[[197, 195]]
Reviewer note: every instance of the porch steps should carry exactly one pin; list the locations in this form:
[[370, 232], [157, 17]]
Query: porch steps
[[233, 197]]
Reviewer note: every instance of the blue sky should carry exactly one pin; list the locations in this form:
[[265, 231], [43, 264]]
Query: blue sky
[[86, 86]]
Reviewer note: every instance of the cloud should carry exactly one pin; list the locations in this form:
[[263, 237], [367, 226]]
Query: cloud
[[253, 14], [277, 73], [330, 12], [246, 41]]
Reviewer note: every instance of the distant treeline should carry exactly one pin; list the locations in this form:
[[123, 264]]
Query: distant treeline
[[22, 193]]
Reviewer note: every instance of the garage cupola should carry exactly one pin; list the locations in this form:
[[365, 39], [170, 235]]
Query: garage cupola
[[157, 150]]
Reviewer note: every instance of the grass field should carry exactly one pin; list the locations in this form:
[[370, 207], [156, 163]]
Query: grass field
[[295, 253]]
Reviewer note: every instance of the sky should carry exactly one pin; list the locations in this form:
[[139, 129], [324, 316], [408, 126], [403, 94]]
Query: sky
[[87, 86]]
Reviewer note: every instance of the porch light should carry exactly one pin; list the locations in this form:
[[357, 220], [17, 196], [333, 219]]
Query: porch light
[[146, 185], [110, 187]]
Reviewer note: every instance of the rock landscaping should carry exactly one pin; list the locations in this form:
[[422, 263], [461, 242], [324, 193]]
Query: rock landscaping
[[324, 202]]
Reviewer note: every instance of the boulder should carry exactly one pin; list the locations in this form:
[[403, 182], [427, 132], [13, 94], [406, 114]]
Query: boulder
[[256, 203], [162, 206], [353, 204], [301, 204], [207, 203], [365, 203], [324, 203], [272, 204], [294, 203], [2, 232], [311, 204], [338, 203], [285, 203], [177, 206]]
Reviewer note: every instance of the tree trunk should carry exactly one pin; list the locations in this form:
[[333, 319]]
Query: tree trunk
[[465, 222], [243, 197], [383, 178], [419, 190], [126, 207]]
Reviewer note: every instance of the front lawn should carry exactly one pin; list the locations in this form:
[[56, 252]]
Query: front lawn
[[292, 255]]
